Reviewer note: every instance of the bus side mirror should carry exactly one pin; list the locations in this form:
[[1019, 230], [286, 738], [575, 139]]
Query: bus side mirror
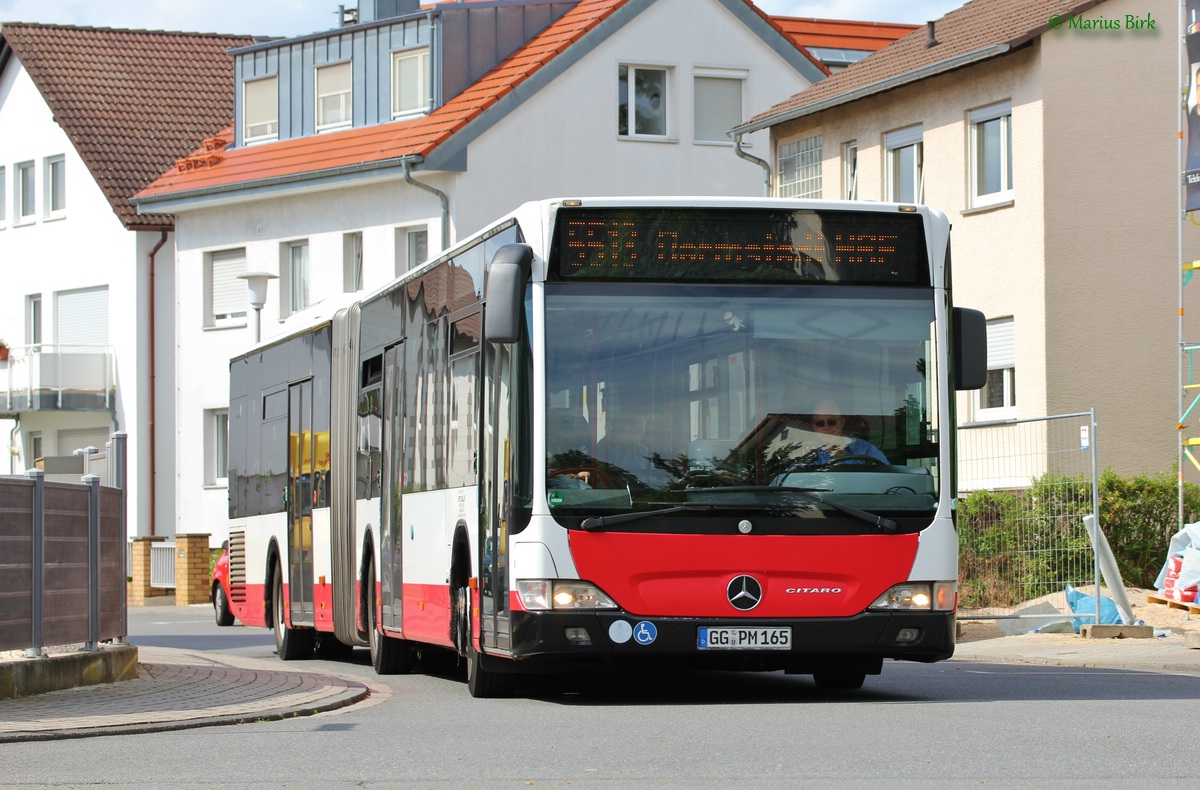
[[507, 276], [970, 349]]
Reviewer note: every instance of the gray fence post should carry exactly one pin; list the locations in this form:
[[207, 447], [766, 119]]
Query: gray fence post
[[118, 472], [93, 484], [39, 557]]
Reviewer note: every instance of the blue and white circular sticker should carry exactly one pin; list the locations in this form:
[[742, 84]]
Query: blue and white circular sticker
[[644, 632]]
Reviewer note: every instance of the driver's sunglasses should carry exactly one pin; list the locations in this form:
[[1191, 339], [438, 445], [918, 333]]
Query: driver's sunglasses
[[831, 422]]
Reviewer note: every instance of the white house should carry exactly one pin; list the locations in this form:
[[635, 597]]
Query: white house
[[89, 288], [360, 151]]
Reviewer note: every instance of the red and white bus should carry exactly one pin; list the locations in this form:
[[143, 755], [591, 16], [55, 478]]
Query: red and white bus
[[685, 432]]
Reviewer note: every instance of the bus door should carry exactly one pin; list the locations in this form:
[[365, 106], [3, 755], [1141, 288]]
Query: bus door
[[497, 450], [301, 488], [391, 538]]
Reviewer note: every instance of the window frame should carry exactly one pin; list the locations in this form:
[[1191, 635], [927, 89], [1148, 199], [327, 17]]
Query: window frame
[[1001, 358], [272, 132], [407, 247], [711, 76], [421, 105], [290, 294], [896, 142], [626, 74], [33, 320], [850, 170], [807, 156], [25, 205], [54, 189], [976, 120], [345, 95], [216, 447], [3, 197], [234, 318], [352, 261]]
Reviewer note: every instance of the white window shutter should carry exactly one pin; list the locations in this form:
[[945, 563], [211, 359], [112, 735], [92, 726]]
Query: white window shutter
[[82, 317]]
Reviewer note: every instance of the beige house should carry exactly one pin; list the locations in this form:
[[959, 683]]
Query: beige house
[[1052, 144]]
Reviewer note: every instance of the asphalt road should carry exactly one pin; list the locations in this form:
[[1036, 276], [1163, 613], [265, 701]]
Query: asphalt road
[[922, 726]]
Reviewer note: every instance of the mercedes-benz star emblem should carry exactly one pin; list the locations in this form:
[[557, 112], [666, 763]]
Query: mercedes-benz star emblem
[[744, 592]]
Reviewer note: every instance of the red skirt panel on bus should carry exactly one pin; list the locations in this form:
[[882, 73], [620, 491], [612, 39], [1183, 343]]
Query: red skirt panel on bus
[[427, 614], [687, 575], [248, 603]]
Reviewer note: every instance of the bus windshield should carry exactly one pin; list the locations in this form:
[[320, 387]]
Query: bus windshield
[[790, 399]]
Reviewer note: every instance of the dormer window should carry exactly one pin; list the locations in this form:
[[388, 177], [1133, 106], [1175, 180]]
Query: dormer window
[[261, 110], [333, 97], [410, 83]]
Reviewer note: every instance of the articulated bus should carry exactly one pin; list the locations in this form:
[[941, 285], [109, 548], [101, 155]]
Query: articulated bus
[[658, 432]]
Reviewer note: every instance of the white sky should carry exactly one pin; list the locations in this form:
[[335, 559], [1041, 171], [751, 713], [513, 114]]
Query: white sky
[[299, 17]]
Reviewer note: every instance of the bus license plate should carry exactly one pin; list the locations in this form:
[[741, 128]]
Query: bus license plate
[[744, 638]]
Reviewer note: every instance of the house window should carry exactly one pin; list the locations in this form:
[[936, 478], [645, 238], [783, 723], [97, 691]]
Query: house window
[[717, 105], [33, 319], [3, 196], [333, 97], [56, 186], [352, 262], [295, 290], [226, 294], [412, 248], [998, 397], [24, 194], [905, 154], [991, 154], [800, 168], [850, 171], [216, 446], [81, 317], [410, 83], [642, 102], [35, 449], [261, 110]]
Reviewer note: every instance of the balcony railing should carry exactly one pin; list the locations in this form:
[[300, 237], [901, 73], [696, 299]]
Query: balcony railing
[[51, 377]]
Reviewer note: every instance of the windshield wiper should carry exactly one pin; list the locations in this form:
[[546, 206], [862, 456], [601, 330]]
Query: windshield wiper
[[596, 522], [883, 523]]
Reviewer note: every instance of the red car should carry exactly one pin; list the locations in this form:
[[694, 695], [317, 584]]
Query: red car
[[218, 591]]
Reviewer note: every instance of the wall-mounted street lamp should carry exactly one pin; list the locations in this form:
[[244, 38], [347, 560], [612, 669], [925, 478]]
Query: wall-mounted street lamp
[[256, 284]]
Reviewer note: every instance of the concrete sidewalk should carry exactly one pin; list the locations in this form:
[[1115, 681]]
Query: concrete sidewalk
[[178, 689]]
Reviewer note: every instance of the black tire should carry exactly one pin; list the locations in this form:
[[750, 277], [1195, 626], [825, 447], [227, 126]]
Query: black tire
[[482, 682], [330, 648], [221, 610], [292, 644], [839, 681], [389, 656]]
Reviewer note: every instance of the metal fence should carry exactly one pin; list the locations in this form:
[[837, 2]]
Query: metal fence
[[1024, 487]]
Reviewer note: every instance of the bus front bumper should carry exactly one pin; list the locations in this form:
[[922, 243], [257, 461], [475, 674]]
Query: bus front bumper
[[861, 641]]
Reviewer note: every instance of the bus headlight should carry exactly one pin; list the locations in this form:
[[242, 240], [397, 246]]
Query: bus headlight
[[918, 596], [562, 594]]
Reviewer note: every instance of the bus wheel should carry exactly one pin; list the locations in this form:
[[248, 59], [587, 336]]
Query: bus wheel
[[389, 656], [839, 681], [291, 644], [481, 681]]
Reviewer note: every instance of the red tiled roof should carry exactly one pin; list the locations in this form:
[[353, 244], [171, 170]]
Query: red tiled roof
[[390, 142], [131, 101], [841, 34], [973, 29]]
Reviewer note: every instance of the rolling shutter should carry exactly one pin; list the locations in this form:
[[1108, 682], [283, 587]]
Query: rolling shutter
[[82, 317]]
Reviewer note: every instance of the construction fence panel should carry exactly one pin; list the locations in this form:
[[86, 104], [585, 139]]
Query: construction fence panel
[[1024, 487]]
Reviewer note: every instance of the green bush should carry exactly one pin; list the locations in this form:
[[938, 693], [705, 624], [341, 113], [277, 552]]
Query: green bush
[[1019, 545]]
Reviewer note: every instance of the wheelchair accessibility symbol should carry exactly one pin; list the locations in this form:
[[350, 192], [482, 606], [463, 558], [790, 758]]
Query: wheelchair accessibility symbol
[[644, 633]]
